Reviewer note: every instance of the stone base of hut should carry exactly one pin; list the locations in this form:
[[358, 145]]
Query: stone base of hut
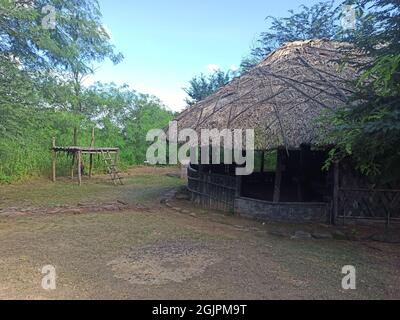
[[287, 212]]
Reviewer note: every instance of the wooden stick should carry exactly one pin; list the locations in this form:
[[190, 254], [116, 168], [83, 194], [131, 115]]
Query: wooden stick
[[336, 187], [54, 160], [278, 179], [92, 139], [262, 169], [73, 166], [91, 155], [80, 168], [238, 191], [90, 166], [74, 142]]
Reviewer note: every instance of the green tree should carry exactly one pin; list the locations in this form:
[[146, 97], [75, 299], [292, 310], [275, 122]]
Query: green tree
[[123, 117], [200, 87], [316, 22], [41, 91], [148, 114], [368, 129], [57, 59], [80, 41]]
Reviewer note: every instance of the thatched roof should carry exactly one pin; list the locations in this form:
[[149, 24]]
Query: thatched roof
[[282, 97]]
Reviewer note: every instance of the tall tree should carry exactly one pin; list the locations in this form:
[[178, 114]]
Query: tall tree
[[62, 53], [200, 87], [81, 41], [315, 22], [368, 129]]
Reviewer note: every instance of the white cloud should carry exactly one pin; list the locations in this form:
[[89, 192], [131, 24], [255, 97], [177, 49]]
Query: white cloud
[[213, 67], [174, 98], [234, 68]]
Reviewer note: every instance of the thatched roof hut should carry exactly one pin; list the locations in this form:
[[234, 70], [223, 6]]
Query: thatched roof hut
[[282, 97]]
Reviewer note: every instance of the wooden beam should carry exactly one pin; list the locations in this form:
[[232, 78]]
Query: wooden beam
[[73, 166], [238, 186], [262, 161], [90, 166], [304, 154], [92, 139], [91, 155], [74, 142], [278, 179], [54, 161], [80, 168], [336, 189]]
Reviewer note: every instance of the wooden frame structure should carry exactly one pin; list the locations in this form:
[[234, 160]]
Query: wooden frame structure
[[77, 159]]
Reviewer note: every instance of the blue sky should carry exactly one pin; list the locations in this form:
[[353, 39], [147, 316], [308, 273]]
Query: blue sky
[[167, 42]]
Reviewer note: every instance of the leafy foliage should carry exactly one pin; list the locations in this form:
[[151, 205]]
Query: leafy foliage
[[41, 91], [316, 22], [368, 130], [200, 87]]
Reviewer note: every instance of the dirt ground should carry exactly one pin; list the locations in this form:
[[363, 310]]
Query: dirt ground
[[127, 244]]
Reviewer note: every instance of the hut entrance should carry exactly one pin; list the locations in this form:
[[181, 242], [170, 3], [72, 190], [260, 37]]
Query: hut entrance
[[286, 185], [289, 176]]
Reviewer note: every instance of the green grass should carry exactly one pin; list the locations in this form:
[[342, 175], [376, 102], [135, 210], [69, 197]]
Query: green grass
[[43, 193]]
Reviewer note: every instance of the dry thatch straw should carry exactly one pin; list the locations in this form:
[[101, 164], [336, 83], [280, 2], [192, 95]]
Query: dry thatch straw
[[281, 98]]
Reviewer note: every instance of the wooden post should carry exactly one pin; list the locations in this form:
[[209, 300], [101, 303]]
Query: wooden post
[[79, 168], [90, 166], [278, 179], [92, 139], [74, 143], [75, 137], [238, 186], [73, 166], [117, 155], [262, 161], [91, 155], [304, 155], [336, 188], [54, 160]]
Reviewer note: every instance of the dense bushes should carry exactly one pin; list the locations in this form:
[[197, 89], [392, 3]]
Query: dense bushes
[[25, 149]]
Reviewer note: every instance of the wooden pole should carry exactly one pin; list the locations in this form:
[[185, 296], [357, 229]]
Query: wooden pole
[[75, 137], [92, 139], [262, 161], [54, 160], [73, 166], [278, 179], [304, 151], [238, 192], [90, 166], [336, 188], [91, 155], [74, 143], [79, 168]]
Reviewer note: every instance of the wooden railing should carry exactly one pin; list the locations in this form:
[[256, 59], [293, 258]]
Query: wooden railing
[[369, 204], [212, 190]]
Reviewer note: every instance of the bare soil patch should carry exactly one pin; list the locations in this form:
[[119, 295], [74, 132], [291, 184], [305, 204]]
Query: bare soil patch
[[164, 262], [155, 252]]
